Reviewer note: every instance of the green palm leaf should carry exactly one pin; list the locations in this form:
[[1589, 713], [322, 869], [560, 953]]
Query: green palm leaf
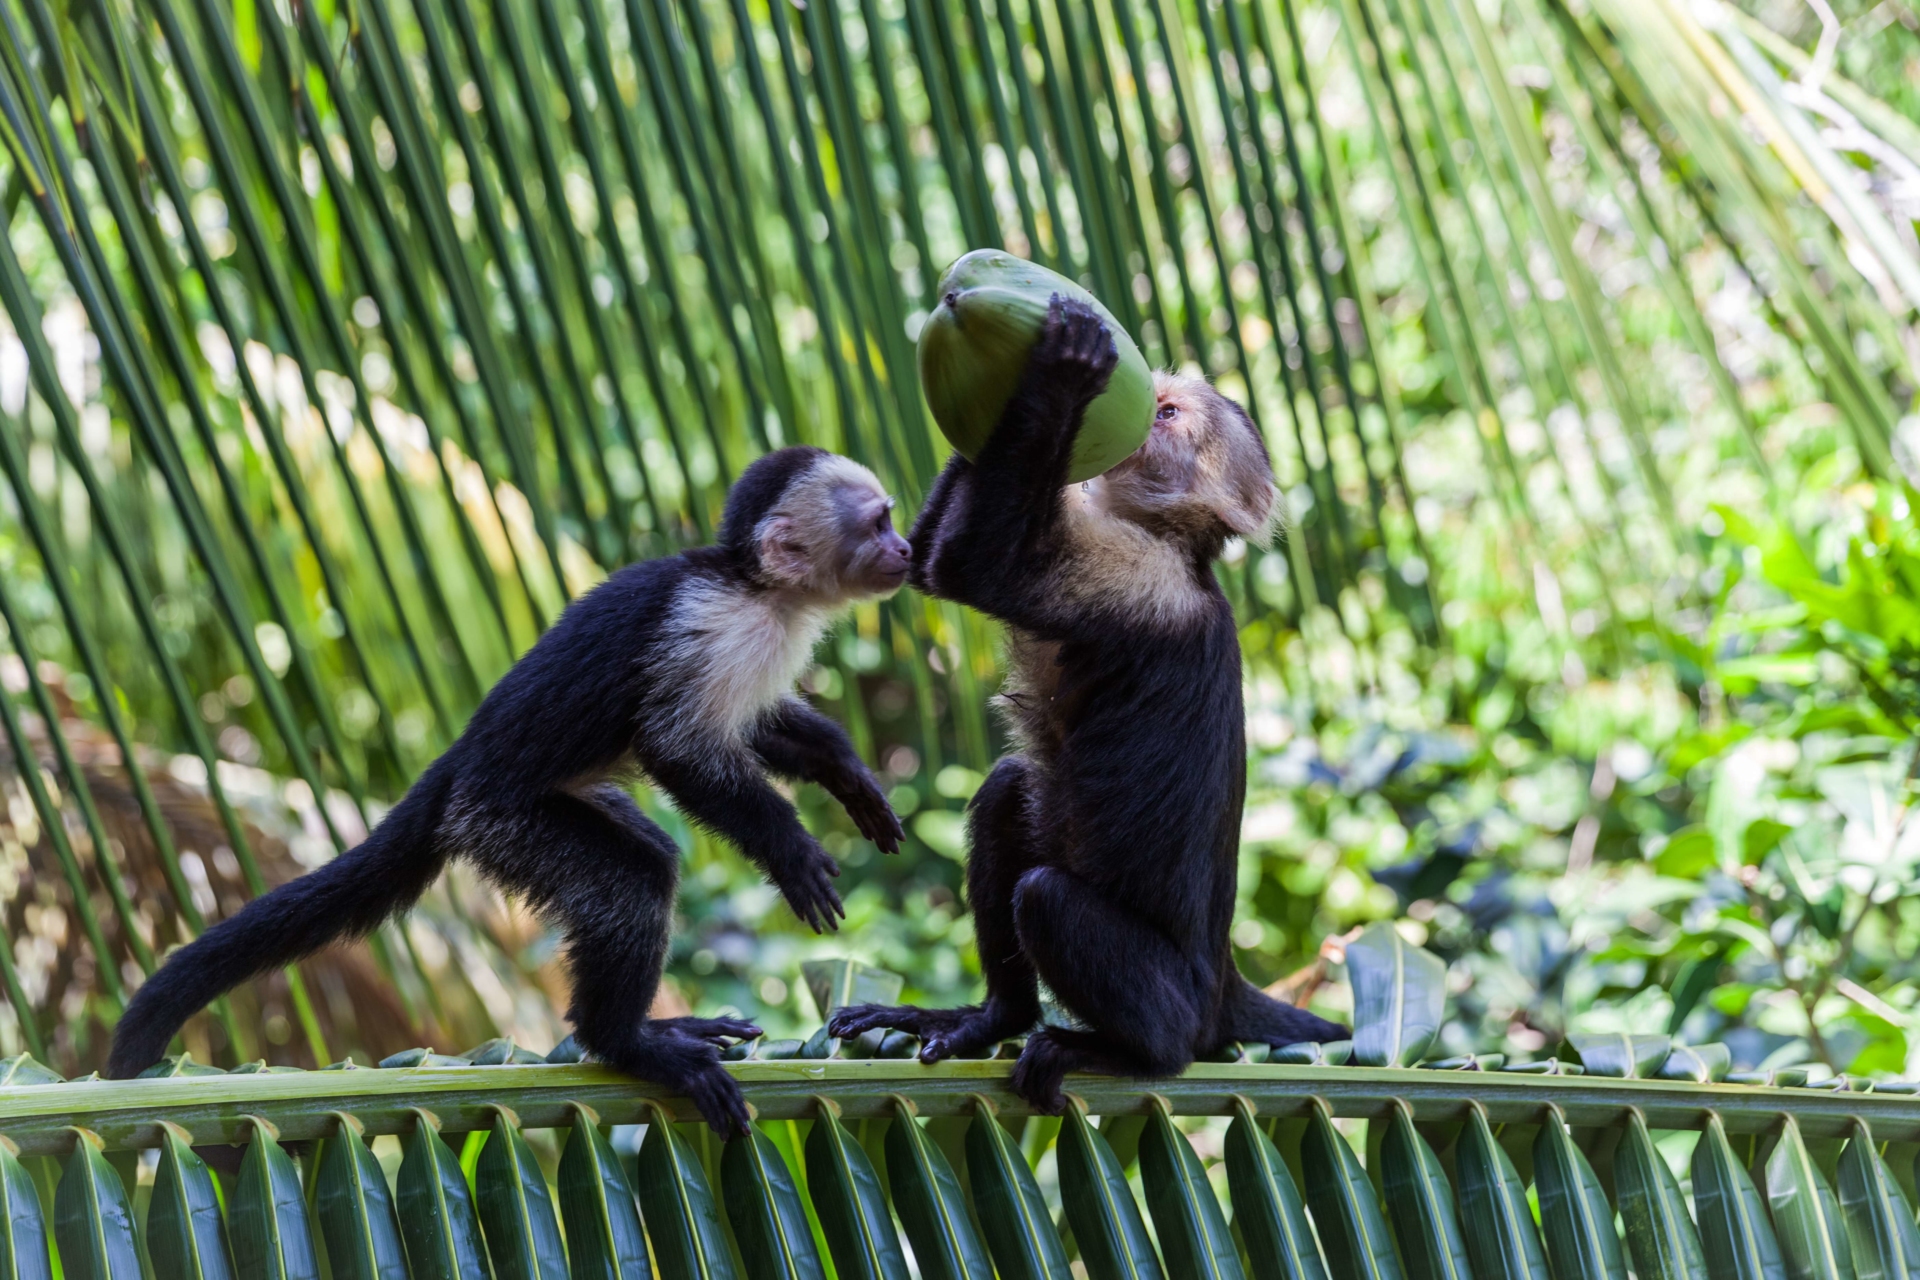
[[185, 1234], [1267, 1209], [1345, 1209], [1660, 1234], [1399, 997], [436, 1208], [683, 1219], [604, 1239], [1735, 1235], [1885, 1241], [1106, 1220], [355, 1209], [267, 1220], [23, 1231], [93, 1217], [932, 1208], [1574, 1214], [1014, 1216], [1806, 1215], [1420, 1203], [1186, 1215], [516, 1211], [850, 1204], [764, 1209], [1496, 1220]]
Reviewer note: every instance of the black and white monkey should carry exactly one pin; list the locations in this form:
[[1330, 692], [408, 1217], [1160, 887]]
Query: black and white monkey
[[680, 668], [1103, 857]]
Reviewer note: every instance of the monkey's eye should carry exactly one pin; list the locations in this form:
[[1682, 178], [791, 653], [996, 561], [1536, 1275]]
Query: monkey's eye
[[883, 522], [1167, 413]]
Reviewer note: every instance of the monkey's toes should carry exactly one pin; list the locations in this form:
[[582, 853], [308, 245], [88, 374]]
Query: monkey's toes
[[713, 1028], [857, 1020], [717, 1096]]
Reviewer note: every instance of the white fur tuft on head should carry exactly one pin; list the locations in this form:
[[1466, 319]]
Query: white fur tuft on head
[[797, 539]]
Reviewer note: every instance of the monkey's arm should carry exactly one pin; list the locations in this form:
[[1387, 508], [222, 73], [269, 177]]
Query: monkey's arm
[[991, 533], [796, 741], [726, 792]]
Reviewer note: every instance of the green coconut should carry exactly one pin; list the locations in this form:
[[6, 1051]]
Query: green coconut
[[975, 346]]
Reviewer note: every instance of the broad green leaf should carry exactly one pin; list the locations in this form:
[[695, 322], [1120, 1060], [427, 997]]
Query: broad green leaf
[[436, 1209], [355, 1210], [1186, 1214], [1267, 1209], [516, 1212], [1345, 1209], [1885, 1241], [763, 1205], [185, 1234], [1106, 1221], [93, 1217], [1420, 1203], [1574, 1214], [1660, 1234], [1495, 1219], [834, 984], [1806, 1214], [1620, 1055], [23, 1230], [850, 1204], [683, 1221], [24, 1069], [931, 1205], [1735, 1235], [1399, 997], [267, 1215], [1014, 1216], [1699, 1063], [604, 1240]]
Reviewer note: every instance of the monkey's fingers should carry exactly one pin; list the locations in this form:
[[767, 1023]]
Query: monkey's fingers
[[877, 821]]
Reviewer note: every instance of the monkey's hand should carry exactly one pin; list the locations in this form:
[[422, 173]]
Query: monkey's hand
[[860, 795], [805, 880], [1074, 357]]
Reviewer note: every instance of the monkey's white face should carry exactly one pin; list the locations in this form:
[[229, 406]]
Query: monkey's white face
[[1203, 469], [831, 535]]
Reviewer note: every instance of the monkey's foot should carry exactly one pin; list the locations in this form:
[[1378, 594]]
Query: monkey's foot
[[682, 1054], [943, 1033], [1043, 1064], [714, 1029], [717, 1095]]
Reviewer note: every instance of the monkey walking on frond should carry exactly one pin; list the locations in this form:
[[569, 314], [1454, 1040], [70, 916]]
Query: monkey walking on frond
[[1103, 858], [680, 668]]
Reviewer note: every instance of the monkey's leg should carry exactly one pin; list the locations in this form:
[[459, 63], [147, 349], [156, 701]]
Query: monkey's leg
[[607, 876], [1141, 999], [1002, 846]]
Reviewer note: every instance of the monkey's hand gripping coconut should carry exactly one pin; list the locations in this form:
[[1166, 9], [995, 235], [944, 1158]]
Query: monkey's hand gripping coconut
[[974, 347]]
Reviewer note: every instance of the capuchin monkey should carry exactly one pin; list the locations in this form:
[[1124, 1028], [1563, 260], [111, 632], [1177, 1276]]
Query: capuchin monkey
[[1103, 857], [680, 669]]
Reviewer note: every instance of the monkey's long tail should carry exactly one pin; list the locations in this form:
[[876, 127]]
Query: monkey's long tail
[[347, 898]]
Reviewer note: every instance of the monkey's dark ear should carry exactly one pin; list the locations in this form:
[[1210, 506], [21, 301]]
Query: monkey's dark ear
[[1250, 505], [782, 557], [1252, 512]]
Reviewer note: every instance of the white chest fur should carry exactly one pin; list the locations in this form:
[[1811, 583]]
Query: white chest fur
[[735, 655]]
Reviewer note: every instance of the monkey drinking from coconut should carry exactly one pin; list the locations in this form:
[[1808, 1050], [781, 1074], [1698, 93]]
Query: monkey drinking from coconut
[[1103, 857], [681, 669]]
